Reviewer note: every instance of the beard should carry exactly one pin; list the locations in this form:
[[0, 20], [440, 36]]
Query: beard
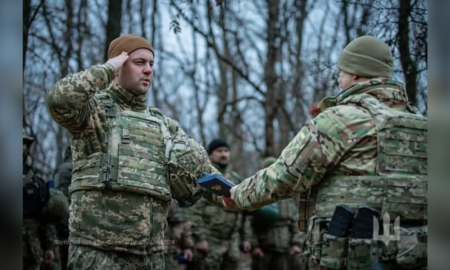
[[223, 162]]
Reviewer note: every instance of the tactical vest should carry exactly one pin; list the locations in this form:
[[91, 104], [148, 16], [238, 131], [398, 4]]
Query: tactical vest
[[398, 189], [135, 158], [399, 185], [35, 195]]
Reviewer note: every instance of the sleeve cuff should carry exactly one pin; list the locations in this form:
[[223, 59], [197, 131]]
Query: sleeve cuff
[[110, 70]]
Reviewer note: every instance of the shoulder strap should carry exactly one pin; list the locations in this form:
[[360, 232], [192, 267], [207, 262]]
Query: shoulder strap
[[108, 104]]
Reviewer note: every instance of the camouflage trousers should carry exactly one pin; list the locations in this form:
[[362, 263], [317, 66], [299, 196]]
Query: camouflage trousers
[[276, 261], [245, 261], [33, 257], [223, 255], [84, 257]]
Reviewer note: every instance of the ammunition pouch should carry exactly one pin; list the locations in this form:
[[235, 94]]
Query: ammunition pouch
[[333, 251], [359, 253], [325, 251]]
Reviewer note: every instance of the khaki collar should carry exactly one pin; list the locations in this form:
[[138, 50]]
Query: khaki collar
[[390, 92], [127, 100]]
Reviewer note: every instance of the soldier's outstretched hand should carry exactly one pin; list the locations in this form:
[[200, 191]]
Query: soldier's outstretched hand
[[228, 201], [118, 61]]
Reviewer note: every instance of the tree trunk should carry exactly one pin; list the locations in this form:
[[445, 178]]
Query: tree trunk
[[155, 90], [113, 27], [270, 76], [408, 65], [222, 90], [26, 20]]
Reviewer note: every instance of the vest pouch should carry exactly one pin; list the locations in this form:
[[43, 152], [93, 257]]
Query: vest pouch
[[359, 253], [333, 251], [139, 141], [86, 173], [316, 230], [412, 247]]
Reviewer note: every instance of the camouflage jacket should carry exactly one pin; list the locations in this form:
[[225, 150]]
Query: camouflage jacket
[[106, 219], [209, 220], [178, 235], [37, 238], [342, 140], [284, 233]]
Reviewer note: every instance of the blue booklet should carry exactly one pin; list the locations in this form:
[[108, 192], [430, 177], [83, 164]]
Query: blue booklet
[[216, 184]]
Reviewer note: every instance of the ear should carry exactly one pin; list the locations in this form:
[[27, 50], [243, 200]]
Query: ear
[[355, 77]]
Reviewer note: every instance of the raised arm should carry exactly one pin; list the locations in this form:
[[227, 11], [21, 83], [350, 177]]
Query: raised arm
[[69, 100]]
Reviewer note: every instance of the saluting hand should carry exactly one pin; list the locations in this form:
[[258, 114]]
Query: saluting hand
[[118, 61]]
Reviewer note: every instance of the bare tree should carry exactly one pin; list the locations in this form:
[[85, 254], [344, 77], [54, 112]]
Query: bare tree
[[113, 27], [408, 65]]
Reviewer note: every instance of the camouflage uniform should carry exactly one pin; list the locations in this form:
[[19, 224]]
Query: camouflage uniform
[[277, 239], [38, 232], [223, 230], [178, 235], [121, 183], [367, 147], [63, 176]]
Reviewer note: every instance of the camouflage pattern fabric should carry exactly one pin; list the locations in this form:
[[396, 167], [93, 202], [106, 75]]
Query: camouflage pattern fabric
[[178, 235], [223, 255], [119, 193], [342, 141], [38, 234], [277, 239], [51, 233], [57, 207], [85, 257], [63, 178], [217, 226], [187, 160], [37, 238]]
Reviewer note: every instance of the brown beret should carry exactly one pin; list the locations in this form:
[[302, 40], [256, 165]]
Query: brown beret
[[127, 43]]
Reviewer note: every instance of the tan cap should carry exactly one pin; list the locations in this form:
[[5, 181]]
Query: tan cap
[[128, 43]]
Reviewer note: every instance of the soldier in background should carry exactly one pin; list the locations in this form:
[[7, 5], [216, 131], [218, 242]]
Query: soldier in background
[[63, 176], [276, 245], [42, 207], [178, 238], [218, 232]]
